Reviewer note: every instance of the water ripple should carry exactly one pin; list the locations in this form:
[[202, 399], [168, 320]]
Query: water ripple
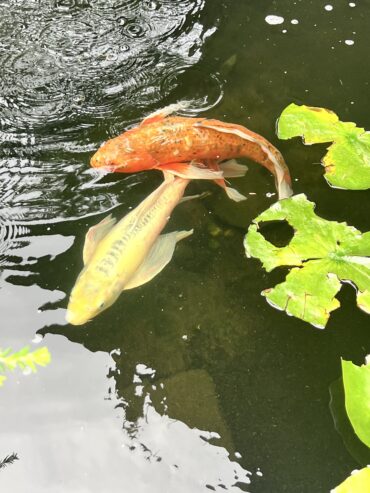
[[203, 90], [40, 192], [74, 73], [10, 238], [71, 58]]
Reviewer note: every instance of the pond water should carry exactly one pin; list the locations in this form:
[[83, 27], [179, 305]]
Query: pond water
[[192, 382]]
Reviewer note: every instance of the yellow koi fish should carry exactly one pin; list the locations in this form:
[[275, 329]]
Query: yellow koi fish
[[127, 254]]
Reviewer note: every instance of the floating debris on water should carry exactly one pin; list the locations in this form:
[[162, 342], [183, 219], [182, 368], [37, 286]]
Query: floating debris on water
[[274, 20]]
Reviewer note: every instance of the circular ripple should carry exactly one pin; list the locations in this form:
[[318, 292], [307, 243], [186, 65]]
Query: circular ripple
[[129, 6], [71, 5], [35, 73], [203, 89], [36, 91], [133, 28], [70, 37]]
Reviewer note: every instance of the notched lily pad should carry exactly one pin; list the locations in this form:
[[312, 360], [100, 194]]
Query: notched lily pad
[[358, 482], [356, 381], [347, 163], [323, 254]]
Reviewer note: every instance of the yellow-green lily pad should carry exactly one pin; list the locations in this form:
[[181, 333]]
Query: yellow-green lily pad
[[358, 482], [347, 163], [356, 381], [322, 253]]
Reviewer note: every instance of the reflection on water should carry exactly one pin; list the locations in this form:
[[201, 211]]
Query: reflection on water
[[157, 434], [73, 74], [189, 382], [182, 457], [72, 439]]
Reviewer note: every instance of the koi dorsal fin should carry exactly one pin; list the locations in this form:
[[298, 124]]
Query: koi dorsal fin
[[159, 115], [95, 235]]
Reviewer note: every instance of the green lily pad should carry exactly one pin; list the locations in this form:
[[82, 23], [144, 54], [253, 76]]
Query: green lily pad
[[358, 482], [358, 450], [356, 380], [323, 253], [347, 163]]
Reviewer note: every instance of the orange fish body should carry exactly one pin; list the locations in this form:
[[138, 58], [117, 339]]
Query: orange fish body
[[190, 148]]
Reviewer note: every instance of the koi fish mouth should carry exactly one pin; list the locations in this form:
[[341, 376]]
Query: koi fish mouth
[[95, 162], [105, 165], [74, 318]]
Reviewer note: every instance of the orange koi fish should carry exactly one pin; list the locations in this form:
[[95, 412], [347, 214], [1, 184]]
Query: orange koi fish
[[192, 148]]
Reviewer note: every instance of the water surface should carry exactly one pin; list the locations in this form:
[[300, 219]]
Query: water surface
[[191, 383]]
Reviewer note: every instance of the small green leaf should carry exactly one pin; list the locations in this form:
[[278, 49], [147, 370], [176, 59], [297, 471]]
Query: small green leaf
[[356, 381], [358, 482], [347, 163], [23, 359], [323, 253]]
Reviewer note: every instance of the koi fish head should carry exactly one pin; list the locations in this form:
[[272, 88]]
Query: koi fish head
[[89, 298], [119, 155]]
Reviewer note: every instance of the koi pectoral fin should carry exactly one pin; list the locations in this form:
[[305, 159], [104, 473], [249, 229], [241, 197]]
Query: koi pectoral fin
[[191, 171], [197, 196], [232, 169], [158, 257], [234, 194], [95, 235]]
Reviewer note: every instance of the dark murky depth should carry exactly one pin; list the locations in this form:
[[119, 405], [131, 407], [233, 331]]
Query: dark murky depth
[[191, 383]]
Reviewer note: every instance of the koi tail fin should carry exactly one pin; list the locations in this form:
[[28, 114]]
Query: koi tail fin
[[280, 170], [284, 189]]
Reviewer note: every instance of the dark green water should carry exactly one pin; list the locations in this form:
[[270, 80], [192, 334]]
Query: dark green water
[[191, 383]]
